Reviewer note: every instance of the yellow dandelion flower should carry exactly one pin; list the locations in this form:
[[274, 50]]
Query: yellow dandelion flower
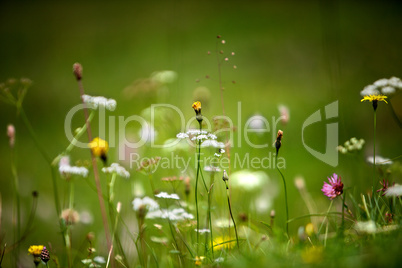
[[35, 250], [373, 98], [198, 260], [99, 148], [223, 242], [197, 106]]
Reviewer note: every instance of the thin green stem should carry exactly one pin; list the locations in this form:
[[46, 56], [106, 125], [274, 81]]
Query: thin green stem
[[375, 125], [33, 136], [73, 143], [17, 202], [231, 215], [196, 190], [209, 212], [325, 218], [286, 196], [96, 175]]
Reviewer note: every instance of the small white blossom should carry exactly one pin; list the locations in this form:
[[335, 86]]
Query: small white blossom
[[388, 90], [381, 82], [219, 260], [217, 155], [379, 160], [366, 227], [167, 196], [182, 135], [212, 169], [98, 101], [395, 190], [164, 77], [149, 203], [66, 169], [116, 168], [369, 90], [99, 259], [203, 231], [212, 143], [177, 214], [385, 86]]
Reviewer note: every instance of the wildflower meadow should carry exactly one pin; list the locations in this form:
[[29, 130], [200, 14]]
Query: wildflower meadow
[[204, 134]]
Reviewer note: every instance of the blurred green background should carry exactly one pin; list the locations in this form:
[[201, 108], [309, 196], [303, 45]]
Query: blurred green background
[[303, 54]]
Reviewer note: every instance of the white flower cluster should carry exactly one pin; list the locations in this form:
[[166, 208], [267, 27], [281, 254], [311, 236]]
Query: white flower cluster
[[351, 145], [167, 196], [149, 203], [116, 168], [383, 86], [212, 143], [202, 231], [99, 101], [395, 190], [65, 168], [212, 169], [379, 160], [197, 135], [177, 214], [95, 262]]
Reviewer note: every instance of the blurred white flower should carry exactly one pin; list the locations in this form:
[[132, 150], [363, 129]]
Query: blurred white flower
[[212, 143], [248, 180], [86, 217], [212, 169], [223, 223], [284, 112], [99, 259], [385, 86], [203, 231], [368, 227], [160, 240], [258, 123], [65, 168], [379, 160], [98, 101], [167, 196], [148, 133], [116, 168], [149, 203], [395, 190], [177, 214], [164, 77]]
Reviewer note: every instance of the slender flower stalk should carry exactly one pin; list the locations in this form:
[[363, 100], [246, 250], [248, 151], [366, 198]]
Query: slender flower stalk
[[374, 134], [77, 70], [278, 144], [209, 220], [17, 208], [374, 99], [225, 178], [197, 108]]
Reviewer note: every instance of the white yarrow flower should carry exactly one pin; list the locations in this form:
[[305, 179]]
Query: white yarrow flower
[[148, 202], [177, 214], [66, 169], [379, 160], [98, 101], [182, 135], [395, 190], [167, 196], [203, 231], [117, 169]]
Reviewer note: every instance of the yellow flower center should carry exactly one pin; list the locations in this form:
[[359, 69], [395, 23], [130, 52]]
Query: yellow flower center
[[99, 147]]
